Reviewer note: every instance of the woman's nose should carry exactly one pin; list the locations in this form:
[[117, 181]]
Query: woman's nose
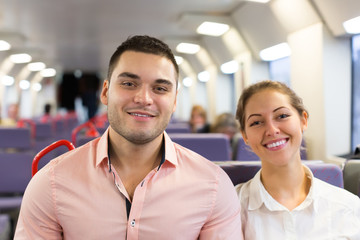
[[272, 129]]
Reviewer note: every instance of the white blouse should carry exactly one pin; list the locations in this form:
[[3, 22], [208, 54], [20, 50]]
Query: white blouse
[[328, 212]]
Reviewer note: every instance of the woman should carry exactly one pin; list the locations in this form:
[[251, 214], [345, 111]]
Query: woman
[[284, 200], [198, 120]]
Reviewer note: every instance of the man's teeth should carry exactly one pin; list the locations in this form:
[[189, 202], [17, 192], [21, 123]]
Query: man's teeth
[[275, 144], [140, 115]]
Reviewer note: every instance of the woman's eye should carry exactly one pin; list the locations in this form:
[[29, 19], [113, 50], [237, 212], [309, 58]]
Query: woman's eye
[[284, 115], [254, 123]]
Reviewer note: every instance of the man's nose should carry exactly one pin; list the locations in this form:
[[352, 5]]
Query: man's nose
[[143, 96]]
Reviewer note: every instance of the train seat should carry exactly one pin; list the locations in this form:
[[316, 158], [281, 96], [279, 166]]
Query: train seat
[[15, 138], [178, 128], [352, 176], [5, 228], [213, 146], [240, 172], [242, 152]]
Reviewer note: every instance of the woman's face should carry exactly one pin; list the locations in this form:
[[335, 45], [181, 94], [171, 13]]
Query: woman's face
[[273, 128]]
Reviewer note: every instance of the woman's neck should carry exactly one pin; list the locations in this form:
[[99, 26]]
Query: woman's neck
[[288, 185]]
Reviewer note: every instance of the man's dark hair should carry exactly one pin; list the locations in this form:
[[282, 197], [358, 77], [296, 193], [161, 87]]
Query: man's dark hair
[[145, 44]]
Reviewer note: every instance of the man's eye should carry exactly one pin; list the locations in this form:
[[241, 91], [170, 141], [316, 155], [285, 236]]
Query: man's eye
[[160, 89], [128, 84]]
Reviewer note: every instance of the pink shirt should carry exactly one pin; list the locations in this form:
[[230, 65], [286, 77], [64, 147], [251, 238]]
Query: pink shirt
[[75, 196]]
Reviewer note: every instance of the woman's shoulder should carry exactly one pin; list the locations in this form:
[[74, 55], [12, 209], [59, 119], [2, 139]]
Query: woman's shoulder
[[336, 195]]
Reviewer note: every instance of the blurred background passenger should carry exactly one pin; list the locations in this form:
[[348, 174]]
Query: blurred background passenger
[[12, 116], [227, 124], [198, 120], [47, 113]]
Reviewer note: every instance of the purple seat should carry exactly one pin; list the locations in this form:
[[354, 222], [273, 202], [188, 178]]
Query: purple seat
[[15, 138], [15, 171], [178, 128], [213, 146], [240, 172], [81, 140], [243, 152]]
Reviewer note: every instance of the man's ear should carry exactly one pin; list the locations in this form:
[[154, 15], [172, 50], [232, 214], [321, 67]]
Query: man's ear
[[105, 92]]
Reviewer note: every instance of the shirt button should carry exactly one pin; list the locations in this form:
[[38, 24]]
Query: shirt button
[[132, 223]]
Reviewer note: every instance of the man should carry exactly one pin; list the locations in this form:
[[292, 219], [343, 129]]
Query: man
[[133, 182]]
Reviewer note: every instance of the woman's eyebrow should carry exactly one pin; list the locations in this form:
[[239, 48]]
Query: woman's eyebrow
[[254, 115]]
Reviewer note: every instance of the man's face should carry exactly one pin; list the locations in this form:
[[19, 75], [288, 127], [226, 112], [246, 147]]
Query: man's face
[[140, 96]]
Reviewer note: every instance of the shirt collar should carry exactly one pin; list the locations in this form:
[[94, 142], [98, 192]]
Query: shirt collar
[[102, 150], [259, 196]]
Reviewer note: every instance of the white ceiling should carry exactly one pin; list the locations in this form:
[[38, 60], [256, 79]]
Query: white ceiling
[[82, 34]]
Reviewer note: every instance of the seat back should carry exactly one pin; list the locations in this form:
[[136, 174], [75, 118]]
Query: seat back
[[243, 152], [213, 146], [240, 172], [15, 172], [15, 138], [352, 176], [178, 128]]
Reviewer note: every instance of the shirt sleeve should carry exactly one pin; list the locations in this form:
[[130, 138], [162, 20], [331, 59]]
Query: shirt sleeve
[[37, 218], [224, 221]]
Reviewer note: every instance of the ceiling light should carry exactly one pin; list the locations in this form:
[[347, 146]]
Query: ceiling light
[[48, 72], [36, 66], [187, 82], [212, 28], [36, 87], [188, 48], [352, 26], [275, 52], [24, 84], [204, 76], [7, 80], [179, 60], [20, 58], [4, 45], [259, 1], [230, 67]]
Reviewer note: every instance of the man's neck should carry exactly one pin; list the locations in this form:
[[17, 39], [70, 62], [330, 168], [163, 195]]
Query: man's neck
[[132, 162], [125, 153]]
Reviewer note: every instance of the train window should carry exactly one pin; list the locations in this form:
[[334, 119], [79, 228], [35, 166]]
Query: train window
[[225, 83], [279, 70], [355, 139]]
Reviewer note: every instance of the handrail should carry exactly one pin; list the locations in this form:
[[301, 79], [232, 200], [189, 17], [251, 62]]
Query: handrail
[[34, 166], [92, 131], [21, 124]]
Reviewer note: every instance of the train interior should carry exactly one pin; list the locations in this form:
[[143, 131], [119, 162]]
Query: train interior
[[53, 94]]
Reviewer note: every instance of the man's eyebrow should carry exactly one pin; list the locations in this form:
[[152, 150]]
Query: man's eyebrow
[[129, 75], [164, 81]]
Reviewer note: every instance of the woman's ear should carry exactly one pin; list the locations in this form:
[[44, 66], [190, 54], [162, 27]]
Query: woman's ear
[[245, 138], [304, 121]]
